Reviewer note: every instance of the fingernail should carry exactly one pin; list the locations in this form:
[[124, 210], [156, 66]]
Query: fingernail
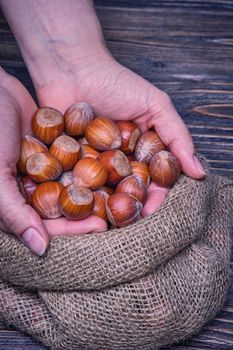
[[199, 166], [33, 240]]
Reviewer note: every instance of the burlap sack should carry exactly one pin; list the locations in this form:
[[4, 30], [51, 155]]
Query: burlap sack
[[141, 287]]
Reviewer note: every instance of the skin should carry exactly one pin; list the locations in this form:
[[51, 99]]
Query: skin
[[64, 50]]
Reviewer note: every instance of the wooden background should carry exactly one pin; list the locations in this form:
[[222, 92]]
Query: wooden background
[[185, 48]]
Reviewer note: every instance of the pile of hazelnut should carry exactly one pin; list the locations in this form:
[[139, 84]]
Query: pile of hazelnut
[[76, 165]]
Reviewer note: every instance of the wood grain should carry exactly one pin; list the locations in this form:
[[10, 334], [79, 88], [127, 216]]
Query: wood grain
[[186, 49]]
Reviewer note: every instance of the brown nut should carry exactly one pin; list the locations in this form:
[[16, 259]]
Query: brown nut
[[67, 150], [82, 141], [88, 151], [117, 164], [28, 146], [123, 209], [133, 185], [90, 172], [27, 187], [103, 134], [164, 169], [149, 143], [100, 198], [77, 117], [107, 189], [47, 124], [43, 166], [45, 200], [66, 178], [142, 170], [76, 202], [129, 135]]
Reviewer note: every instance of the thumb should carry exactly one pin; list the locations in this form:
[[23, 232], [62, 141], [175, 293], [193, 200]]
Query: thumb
[[155, 197], [174, 133], [19, 218]]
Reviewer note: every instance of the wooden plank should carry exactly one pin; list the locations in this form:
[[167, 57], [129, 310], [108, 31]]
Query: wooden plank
[[14, 340], [154, 45], [186, 49], [190, 4]]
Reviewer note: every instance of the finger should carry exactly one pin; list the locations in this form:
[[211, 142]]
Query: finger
[[176, 136], [19, 218], [155, 197], [63, 226], [14, 91]]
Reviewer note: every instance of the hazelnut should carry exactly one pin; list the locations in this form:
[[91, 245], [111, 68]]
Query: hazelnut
[[47, 124], [90, 172], [28, 146], [88, 151], [67, 150], [82, 141], [103, 134], [133, 185], [123, 209], [129, 135], [107, 189], [45, 200], [142, 170], [43, 166], [77, 117], [76, 202], [27, 187], [66, 178], [117, 165], [100, 198], [164, 169], [149, 143]]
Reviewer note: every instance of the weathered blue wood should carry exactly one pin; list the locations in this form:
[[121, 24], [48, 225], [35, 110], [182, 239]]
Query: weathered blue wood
[[186, 49]]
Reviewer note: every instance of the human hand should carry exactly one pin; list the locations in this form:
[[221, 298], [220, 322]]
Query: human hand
[[118, 93], [69, 62], [17, 217]]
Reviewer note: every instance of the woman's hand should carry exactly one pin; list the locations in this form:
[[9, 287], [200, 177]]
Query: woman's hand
[[118, 93], [17, 107], [17, 217], [68, 61]]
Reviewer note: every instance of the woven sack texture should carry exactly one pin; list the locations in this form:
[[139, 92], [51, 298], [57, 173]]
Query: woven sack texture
[[144, 286]]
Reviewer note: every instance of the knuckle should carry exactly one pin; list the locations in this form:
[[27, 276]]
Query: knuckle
[[14, 220], [9, 218], [165, 99]]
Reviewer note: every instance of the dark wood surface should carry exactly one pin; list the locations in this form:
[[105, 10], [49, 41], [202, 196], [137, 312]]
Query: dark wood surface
[[185, 48]]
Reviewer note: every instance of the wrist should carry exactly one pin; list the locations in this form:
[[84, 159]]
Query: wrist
[[58, 63], [55, 36]]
